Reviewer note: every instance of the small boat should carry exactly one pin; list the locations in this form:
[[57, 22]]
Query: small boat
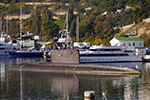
[[146, 57], [6, 44], [107, 54], [26, 53], [64, 42], [5, 48]]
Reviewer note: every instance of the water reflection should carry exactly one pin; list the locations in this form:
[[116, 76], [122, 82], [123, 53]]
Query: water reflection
[[65, 86], [146, 72], [144, 86], [49, 86], [21, 84]]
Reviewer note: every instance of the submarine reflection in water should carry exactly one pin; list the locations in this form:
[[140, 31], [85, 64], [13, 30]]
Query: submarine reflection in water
[[65, 86]]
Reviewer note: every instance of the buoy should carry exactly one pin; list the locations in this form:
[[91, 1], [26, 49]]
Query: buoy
[[89, 95]]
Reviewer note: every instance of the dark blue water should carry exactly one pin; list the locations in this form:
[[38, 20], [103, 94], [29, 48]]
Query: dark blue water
[[50, 86]]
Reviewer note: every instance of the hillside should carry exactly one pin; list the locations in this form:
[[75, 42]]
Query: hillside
[[100, 20], [141, 29], [136, 29]]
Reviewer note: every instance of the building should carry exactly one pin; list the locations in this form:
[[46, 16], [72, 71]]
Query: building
[[128, 43]]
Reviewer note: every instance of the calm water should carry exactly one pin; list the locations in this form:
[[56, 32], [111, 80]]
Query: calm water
[[48, 86]]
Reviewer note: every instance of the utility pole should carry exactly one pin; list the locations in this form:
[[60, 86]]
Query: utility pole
[[20, 22], [20, 27], [67, 28]]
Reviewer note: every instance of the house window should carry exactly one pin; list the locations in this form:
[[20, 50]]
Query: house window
[[124, 44], [140, 44]]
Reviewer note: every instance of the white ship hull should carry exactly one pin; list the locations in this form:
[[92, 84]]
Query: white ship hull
[[5, 48], [107, 54], [96, 59], [3, 53]]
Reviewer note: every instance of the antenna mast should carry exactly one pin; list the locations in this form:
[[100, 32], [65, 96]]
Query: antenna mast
[[77, 29], [20, 21], [67, 28], [20, 26]]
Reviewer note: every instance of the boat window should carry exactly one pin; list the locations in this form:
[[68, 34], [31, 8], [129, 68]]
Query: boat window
[[129, 44], [14, 41], [110, 50], [93, 49], [117, 49], [101, 49], [104, 55], [133, 44], [2, 48]]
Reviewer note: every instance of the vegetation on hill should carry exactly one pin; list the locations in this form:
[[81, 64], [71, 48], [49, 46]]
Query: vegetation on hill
[[98, 18]]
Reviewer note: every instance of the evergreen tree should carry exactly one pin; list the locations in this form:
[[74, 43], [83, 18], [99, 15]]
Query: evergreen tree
[[33, 24], [71, 16], [71, 22], [73, 28], [36, 22], [48, 27]]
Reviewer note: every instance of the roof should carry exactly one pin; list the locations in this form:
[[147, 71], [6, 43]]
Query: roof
[[129, 38]]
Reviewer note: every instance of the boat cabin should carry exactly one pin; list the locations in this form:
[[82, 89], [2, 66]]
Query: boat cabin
[[105, 48], [64, 41]]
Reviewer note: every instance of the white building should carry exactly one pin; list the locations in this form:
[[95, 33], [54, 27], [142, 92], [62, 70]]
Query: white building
[[128, 43]]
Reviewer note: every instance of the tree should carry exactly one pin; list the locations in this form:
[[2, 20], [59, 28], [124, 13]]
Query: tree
[[33, 24], [146, 38], [71, 17], [36, 21], [98, 41], [14, 1], [6, 1], [41, 22], [73, 28], [48, 27], [13, 27]]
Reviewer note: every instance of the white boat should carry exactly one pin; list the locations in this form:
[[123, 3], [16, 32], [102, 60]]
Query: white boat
[[64, 42], [26, 53], [5, 44], [107, 54], [5, 48], [146, 57]]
